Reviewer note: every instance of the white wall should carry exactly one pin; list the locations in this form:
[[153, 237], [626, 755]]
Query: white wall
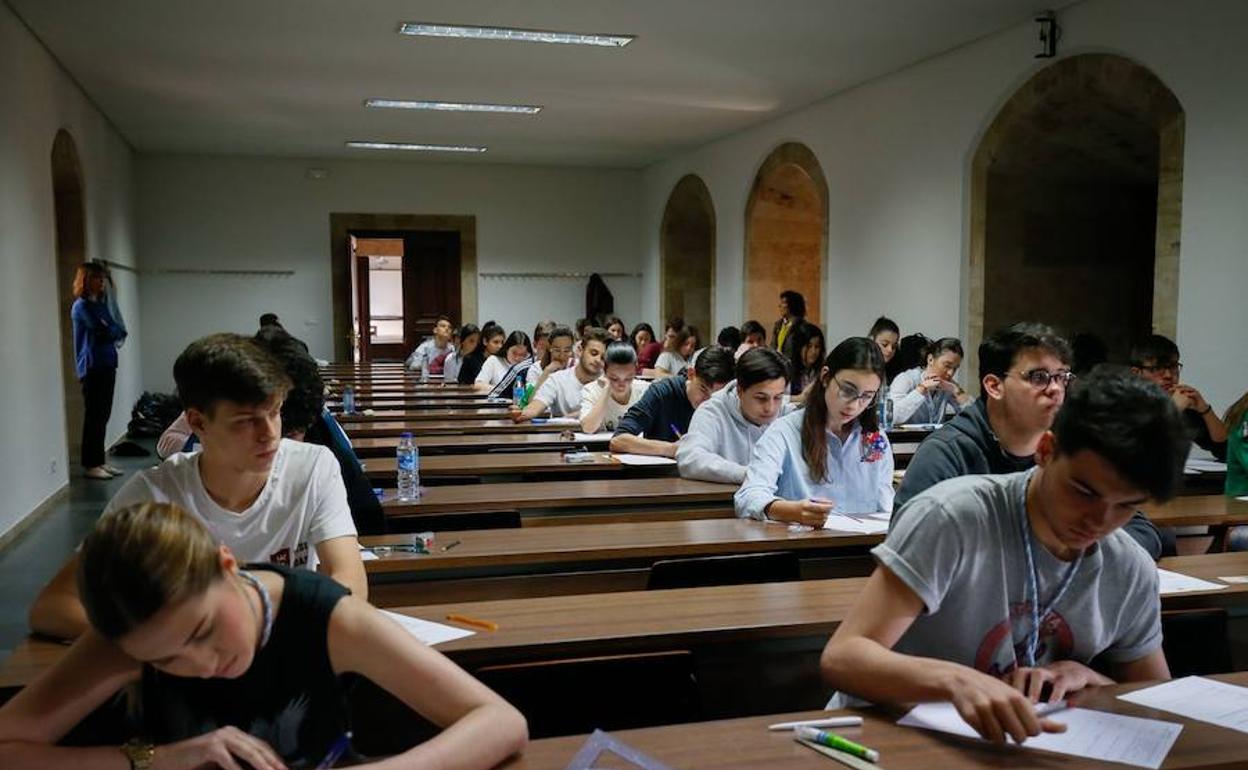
[[256, 213], [897, 151], [39, 99]]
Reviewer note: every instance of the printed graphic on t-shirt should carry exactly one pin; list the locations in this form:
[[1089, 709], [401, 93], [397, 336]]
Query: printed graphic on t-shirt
[[283, 556], [1005, 645]]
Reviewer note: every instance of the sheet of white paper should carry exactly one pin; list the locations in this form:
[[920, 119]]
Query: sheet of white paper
[[592, 436], [1238, 579], [1195, 697], [627, 459], [366, 554], [867, 524], [1091, 734], [1204, 466], [1243, 499], [426, 630], [918, 426], [1178, 583], [557, 421]]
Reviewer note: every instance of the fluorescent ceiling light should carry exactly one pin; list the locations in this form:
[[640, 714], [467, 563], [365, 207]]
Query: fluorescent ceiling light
[[399, 104], [415, 147], [422, 29]]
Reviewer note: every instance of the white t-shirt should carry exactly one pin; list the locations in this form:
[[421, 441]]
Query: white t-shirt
[[303, 503], [562, 393], [614, 410], [492, 370], [672, 363]]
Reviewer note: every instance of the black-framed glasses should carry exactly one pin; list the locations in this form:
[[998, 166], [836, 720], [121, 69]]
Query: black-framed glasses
[[849, 392], [1176, 367], [1041, 378]]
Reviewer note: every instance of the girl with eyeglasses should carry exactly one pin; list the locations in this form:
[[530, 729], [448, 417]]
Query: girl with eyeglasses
[[830, 456]]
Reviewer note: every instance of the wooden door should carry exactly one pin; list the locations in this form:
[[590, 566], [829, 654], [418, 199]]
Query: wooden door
[[431, 267], [364, 334]]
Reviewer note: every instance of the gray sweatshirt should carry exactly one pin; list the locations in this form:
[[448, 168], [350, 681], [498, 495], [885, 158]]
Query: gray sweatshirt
[[720, 440]]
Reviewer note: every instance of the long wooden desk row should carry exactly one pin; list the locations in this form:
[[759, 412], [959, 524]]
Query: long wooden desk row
[[746, 744], [647, 621], [385, 446]]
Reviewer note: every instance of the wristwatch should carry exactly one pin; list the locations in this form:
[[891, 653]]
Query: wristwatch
[[139, 753]]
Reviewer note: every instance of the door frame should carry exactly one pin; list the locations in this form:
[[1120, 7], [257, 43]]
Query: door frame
[[341, 225]]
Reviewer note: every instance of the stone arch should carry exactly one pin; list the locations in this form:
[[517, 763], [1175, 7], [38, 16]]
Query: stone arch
[[786, 233], [69, 206], [687, 249], [1076, 204]]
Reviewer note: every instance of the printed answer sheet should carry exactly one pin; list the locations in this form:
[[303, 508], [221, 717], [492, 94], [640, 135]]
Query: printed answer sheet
[[1196, 697], [1091, 734], [426, 630], [1178, 583]]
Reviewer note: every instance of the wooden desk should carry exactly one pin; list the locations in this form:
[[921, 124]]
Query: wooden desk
[[400, 394], [380, 425], [403, 401], [566, 499], [746, 744], [382, 470], [385, 446], [471, 414], [649, 621], [1218, 512]]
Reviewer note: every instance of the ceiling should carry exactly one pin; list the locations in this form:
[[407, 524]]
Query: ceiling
[[288, 77]]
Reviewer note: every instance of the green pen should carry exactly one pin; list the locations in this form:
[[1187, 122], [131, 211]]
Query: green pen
[[834, 741]]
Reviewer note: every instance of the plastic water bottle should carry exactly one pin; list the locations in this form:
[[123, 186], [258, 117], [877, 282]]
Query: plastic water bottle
[[409, 468], [886, 409], [424, 373], [348, 400], [517, 393]]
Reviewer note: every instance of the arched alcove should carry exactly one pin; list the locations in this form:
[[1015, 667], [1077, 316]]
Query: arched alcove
[[786, 233], [71, 250], [687, 249], [1076, 202]]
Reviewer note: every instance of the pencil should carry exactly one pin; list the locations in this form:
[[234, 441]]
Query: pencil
[[487, 625]]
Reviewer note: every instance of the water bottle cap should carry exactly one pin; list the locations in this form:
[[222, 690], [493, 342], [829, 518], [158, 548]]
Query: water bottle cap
[[405, 435]]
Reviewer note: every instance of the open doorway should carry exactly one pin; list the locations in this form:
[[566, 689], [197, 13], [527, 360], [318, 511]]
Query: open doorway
[[71, 251], [393, 275]]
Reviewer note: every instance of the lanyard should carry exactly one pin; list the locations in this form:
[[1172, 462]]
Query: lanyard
[[1038, 614]]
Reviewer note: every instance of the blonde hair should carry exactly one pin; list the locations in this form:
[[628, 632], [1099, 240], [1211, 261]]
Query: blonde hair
[[140, 559], [1236, 410]]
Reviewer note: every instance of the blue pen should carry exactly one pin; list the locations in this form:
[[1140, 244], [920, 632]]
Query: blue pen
[[336, 751], [672, 425]]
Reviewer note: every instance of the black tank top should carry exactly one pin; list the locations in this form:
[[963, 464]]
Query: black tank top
[[290, 697]]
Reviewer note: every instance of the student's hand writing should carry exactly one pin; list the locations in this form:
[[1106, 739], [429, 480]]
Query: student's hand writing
[[813, 513], [995, 709], [220, 748], [1065, 676]]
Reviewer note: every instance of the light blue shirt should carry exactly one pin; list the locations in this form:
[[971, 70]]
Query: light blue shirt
[[777, 471]]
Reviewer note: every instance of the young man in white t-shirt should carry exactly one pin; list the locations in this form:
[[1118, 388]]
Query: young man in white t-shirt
[[269, 499], [560, 394], [605, 401], [995, 592], [432, 351]]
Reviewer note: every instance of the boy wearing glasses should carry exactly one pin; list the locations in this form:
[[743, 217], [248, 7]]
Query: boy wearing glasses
[[997, 592], [1024, 371], [1156, 358]]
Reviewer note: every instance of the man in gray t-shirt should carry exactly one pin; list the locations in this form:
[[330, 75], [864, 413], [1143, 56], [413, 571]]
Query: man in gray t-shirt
[[1003, 587]]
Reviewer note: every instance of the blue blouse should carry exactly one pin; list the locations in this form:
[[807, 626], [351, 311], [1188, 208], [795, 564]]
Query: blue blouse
[[95, 336]]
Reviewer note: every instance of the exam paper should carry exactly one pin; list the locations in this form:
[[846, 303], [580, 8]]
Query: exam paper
[[557, 421], [867, 524], [426, 630], [1204, 466], [1178, 583], [578, 436], [1195, 697], [1091, 734], [629, 459]]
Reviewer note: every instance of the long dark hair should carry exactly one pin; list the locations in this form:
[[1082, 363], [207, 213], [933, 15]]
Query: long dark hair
[[641, 327], [466, 331], [801, 335], [859, 353], [558, 331]]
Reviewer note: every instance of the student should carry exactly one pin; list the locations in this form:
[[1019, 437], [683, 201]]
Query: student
[[557, 358], [267, 498], [655, 424], [648, 349], [724, 430], [753, 335], [605, 402], [430, 354], [792, 310], [234, 665], [730, 337], [911, 352], [492, 336], [885, 333], [560, 393], [928, 394], [616, 329], [679, 342], [541, 338], [469, 337], [830, 456], [582, 324], [96, 335], [992, 588], [809, 350], [1156, 358], [513, 357], [1236, 420], [1023, 372]]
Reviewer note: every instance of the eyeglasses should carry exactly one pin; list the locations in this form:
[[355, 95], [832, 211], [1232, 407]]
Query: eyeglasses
[[1042, 378], [1176, 367], [562, 351], [849, 392]]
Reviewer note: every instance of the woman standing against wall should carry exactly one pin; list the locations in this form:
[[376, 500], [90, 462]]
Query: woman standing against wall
[[96, 334]]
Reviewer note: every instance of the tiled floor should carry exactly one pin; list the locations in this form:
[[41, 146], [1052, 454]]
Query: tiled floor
[[33, 558]]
